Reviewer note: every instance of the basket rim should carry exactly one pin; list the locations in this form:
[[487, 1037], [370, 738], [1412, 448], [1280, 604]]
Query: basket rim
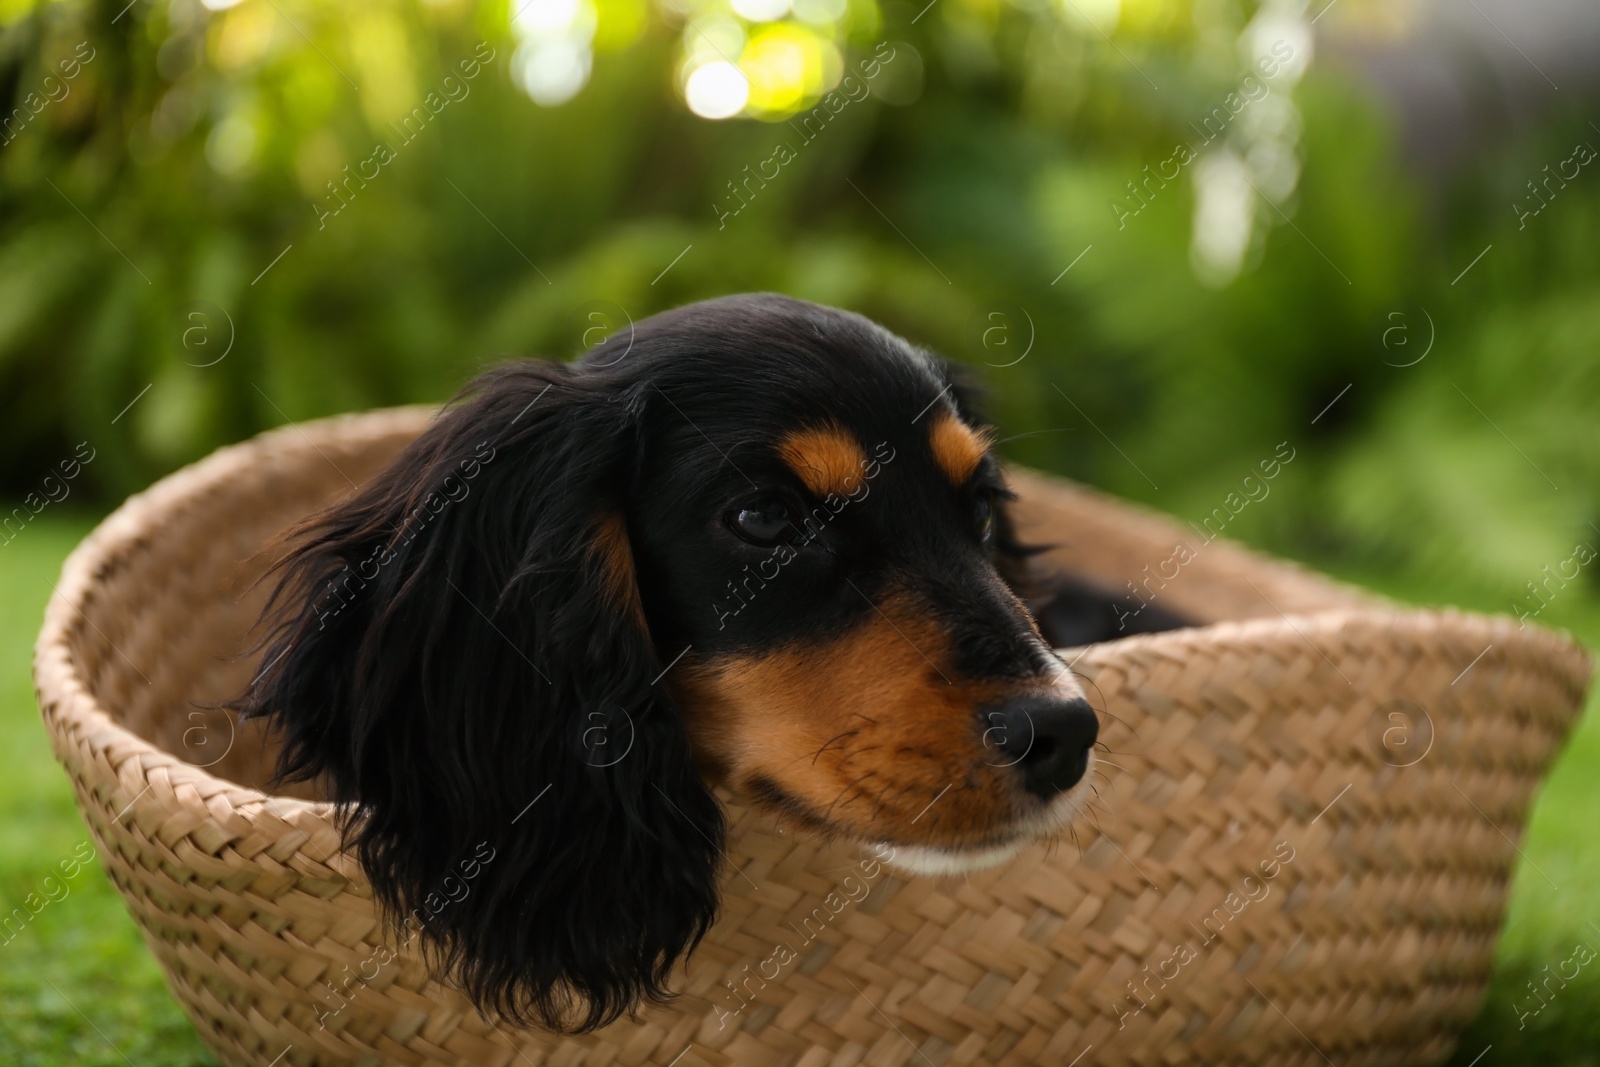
[[68, 706]]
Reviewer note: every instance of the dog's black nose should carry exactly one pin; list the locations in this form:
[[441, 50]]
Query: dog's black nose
[[1045, 738]]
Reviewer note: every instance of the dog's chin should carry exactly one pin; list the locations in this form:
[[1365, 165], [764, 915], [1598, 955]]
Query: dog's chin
[[936, 861]]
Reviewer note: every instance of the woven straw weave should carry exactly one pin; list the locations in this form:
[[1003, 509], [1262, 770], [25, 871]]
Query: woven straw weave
[[1270, 733]]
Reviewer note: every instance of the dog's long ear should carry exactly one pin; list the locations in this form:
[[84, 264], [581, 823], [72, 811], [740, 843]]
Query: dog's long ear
[[461, 656]]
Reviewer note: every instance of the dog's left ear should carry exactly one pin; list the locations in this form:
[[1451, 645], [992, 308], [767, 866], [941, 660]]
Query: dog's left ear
[[462, 658]]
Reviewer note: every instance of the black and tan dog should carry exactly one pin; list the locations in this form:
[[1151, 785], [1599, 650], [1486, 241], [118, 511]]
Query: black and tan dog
[[755, 542]]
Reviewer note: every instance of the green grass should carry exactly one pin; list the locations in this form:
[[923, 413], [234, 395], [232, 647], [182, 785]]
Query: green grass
[[78, 986]]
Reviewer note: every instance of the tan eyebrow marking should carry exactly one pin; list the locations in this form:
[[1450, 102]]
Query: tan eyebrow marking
[[827, 458], [957, 447]]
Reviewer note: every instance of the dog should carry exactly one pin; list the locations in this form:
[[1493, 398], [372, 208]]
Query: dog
[[754, 542]]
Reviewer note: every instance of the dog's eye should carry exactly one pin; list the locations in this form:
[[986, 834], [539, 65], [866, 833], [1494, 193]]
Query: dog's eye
[[983, 519], [765, 521]]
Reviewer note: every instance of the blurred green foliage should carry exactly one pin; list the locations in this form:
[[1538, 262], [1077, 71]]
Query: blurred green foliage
[[175, 204]]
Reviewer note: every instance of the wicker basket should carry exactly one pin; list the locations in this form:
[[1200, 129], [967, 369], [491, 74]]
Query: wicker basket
[[1303, 847]]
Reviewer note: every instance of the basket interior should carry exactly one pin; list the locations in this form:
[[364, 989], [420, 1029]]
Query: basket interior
[[165, 631]]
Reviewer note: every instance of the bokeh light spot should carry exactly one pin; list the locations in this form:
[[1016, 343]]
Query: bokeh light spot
[[552, 72], [789, 67], [820, 12], [761, 10], [716, 90]]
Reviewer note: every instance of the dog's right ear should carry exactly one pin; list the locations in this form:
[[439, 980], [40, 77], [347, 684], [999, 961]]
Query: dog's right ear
[[461, 656]]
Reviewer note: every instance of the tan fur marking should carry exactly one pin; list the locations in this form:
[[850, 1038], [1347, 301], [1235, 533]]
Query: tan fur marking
[[828, 459], [957, 447], [861, 729], [615, 556]]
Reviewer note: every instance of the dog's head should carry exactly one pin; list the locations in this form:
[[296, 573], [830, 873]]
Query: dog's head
[[754, 541]]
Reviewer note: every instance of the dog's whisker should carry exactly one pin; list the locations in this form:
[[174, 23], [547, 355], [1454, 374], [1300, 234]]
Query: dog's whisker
[[847, 791], [1111, 752], [836, 737], [1096, 778], [1118, 719]]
